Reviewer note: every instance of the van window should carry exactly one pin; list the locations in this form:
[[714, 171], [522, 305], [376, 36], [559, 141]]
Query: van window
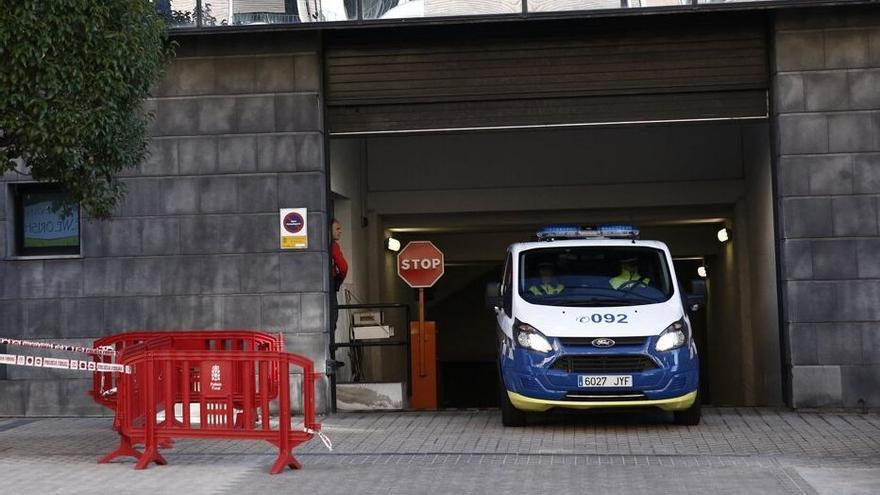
[[594, 276]]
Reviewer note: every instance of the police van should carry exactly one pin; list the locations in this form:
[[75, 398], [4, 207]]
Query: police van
[[594, 318]]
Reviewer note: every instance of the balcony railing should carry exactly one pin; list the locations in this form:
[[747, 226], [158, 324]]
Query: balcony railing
[[209, 13]]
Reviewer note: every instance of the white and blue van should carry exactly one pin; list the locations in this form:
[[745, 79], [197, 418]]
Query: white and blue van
[[594, 318]]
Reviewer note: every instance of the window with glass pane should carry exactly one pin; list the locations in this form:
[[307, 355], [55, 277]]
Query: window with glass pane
[[46, 221], [403, 9], [210, 13], [559, 5]]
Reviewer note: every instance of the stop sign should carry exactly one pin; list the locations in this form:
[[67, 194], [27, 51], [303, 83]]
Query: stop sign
[[420, 264]]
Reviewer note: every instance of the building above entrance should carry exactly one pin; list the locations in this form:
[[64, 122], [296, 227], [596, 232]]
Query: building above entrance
[[203, 14]]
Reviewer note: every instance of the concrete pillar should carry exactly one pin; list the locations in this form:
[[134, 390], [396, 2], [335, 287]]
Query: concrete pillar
[[826, 86]]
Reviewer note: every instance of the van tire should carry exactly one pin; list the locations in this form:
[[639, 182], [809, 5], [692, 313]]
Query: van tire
[[510, 416], [690, 416]]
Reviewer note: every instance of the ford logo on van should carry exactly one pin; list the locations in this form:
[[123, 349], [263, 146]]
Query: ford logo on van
[[602, 342]]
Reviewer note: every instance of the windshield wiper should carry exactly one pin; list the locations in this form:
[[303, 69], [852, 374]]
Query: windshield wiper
[[621, 295], [641, 296], [596, 303], [585, 301]]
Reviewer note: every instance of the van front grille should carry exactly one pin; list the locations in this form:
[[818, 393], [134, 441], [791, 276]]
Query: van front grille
[[588, 341], [604, 363]]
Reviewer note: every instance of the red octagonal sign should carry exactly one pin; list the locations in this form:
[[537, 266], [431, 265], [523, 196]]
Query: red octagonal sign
[[420, 264]]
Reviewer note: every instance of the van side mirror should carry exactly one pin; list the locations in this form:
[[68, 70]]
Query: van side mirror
[[493, 295], [695, 302]]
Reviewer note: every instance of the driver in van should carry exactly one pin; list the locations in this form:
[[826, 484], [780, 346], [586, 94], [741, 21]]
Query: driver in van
[[547, 284], [629, 277]]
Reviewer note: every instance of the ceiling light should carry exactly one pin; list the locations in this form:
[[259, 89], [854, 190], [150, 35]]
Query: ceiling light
[[392, 244]]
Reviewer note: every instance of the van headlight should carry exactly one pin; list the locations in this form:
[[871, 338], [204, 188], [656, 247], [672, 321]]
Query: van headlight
[[529, 337], [675, 336]]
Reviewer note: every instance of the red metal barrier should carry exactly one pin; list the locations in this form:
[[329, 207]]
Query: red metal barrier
[[232, 392], [104, 384]]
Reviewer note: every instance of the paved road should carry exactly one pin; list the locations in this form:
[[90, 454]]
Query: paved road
[[734, 451]]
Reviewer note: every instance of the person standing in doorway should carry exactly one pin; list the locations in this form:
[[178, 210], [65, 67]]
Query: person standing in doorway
[[338, 271], [339, 265]]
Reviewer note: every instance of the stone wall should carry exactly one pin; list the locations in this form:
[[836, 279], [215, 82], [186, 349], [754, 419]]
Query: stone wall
[[237, 135], [827, 115]]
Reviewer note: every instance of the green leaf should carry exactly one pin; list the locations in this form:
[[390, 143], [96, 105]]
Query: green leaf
[[74, 80]]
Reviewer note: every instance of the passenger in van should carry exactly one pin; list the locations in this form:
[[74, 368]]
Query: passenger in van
[[629, 277], [547, 284]]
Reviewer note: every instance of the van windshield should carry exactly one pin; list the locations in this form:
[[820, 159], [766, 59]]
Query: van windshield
[[594, 276]]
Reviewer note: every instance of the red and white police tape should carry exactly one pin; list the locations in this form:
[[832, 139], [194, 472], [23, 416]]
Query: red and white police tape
[[60, 363], [100, 351]]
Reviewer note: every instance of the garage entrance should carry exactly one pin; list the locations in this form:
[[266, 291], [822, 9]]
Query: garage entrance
[[474, 194], [474, 161]]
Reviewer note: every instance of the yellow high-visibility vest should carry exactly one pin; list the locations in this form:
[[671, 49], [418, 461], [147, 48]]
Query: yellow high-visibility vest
[[626, 276], [546, 289]]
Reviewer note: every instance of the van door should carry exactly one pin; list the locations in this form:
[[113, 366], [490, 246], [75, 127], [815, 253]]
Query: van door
[[505, 315]]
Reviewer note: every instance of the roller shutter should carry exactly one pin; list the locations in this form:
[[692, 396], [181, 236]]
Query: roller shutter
[[485, 77]]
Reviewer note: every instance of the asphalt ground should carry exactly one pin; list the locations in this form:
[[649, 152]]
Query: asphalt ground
[[733, 451]]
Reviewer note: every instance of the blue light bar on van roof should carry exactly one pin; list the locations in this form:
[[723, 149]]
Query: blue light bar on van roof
[[560, 231], [619, 231], [608, 231]]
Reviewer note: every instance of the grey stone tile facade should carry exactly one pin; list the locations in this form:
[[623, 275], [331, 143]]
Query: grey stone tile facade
[[238, 134], [195, 244], [827, 110]]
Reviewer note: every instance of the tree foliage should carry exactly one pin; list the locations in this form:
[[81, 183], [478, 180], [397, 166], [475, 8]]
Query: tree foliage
[[74, 77]]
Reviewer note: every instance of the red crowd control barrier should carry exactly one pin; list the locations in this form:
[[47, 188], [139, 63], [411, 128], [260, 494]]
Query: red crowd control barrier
[[207, 394], [104, 384]]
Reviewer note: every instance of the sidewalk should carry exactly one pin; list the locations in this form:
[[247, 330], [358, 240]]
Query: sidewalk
[[734, 450]]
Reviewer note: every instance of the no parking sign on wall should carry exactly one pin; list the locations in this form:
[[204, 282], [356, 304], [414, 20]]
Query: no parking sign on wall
[[294, 228]]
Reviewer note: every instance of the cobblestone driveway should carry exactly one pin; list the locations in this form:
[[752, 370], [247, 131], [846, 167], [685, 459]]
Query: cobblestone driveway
[[733, 451]]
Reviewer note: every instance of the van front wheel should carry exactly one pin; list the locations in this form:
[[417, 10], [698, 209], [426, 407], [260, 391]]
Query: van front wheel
[[690, 416], [510, 416]]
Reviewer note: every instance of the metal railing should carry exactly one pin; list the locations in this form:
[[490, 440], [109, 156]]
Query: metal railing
[[264, 18], [213, 13]]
